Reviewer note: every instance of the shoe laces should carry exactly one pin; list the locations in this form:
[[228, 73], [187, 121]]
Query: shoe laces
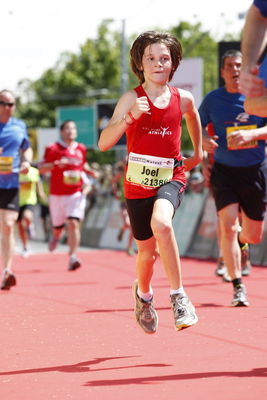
[[147, 310], [179, 306], [239, 290]]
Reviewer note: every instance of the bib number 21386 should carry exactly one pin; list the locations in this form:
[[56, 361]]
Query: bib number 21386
[[149, 171]]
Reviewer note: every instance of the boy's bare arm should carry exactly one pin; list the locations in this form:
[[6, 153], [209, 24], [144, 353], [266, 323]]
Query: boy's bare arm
[[193, 125]]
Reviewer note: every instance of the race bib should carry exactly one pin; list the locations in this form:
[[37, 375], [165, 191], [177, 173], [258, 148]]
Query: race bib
[[71, 177], [248, 145], [6, 164], [149, 171]]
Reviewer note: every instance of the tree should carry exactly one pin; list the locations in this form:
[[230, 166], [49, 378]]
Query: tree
[[76, 79], [198, 43], [94, 72]]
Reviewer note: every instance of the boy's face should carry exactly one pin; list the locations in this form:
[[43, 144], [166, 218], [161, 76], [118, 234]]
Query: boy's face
[[157, 63]]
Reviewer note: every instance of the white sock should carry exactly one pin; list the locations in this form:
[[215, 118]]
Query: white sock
[[180, 291], [145, 296], [73, 257], [6, 270]]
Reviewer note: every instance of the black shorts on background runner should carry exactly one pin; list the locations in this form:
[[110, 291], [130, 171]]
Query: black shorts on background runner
[[9, 199], [23, 208], [243, 185]]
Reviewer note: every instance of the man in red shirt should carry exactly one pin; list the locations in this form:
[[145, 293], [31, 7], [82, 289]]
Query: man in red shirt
[[69, 185]]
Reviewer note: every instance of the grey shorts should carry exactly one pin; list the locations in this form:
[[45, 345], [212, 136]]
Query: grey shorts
[[140, 210]]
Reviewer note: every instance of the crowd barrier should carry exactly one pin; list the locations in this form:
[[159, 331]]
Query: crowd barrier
[[194, 225]]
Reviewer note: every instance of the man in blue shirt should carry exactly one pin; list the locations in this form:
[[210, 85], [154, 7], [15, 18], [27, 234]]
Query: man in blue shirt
[[252, 83], [15, 157], [239, 174]]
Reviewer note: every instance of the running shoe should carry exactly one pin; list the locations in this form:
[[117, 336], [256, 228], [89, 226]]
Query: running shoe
[[8, 281], [73, 265], [130, 251], [245, 262], [240, 296], [52, 244], [226, 277], [25, 252], [146, 315], [221, 268], [184, 311]]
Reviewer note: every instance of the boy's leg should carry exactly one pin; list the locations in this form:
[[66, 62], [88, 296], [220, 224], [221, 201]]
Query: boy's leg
[[145, 260], [161, 223], [145, 313]]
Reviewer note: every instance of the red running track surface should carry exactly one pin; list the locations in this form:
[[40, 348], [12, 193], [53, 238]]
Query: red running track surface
[[72, 335]]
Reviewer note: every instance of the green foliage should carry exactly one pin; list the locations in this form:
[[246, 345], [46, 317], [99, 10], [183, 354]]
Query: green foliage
[[107, 157], [198, 43], [76, 79], [95, 73]]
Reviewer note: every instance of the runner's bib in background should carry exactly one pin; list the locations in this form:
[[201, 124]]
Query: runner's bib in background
[[6, 164], [149, 171], [71, 177], [248, 145]]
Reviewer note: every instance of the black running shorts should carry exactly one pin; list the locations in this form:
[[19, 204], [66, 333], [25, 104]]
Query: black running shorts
[[22, 209], [140, 210], [246, 186], [9, 199]]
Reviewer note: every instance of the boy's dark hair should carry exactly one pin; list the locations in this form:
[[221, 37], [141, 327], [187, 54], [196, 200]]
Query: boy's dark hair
[[148, 38], [230, 53], [64, 123]]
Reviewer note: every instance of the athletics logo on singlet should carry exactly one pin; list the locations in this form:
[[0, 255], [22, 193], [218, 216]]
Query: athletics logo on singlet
[[160, 131]]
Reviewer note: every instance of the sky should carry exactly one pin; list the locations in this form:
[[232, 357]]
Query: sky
[[33, 34]]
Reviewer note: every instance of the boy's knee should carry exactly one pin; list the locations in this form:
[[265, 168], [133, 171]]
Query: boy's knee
[[229, 230], [160, 228], [147, 257]]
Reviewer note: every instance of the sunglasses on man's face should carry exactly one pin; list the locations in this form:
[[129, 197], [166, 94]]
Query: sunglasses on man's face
[[6, 104]]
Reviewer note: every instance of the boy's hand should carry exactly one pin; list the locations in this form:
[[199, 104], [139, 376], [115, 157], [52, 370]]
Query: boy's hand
[[191, 162], [141, 107]]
